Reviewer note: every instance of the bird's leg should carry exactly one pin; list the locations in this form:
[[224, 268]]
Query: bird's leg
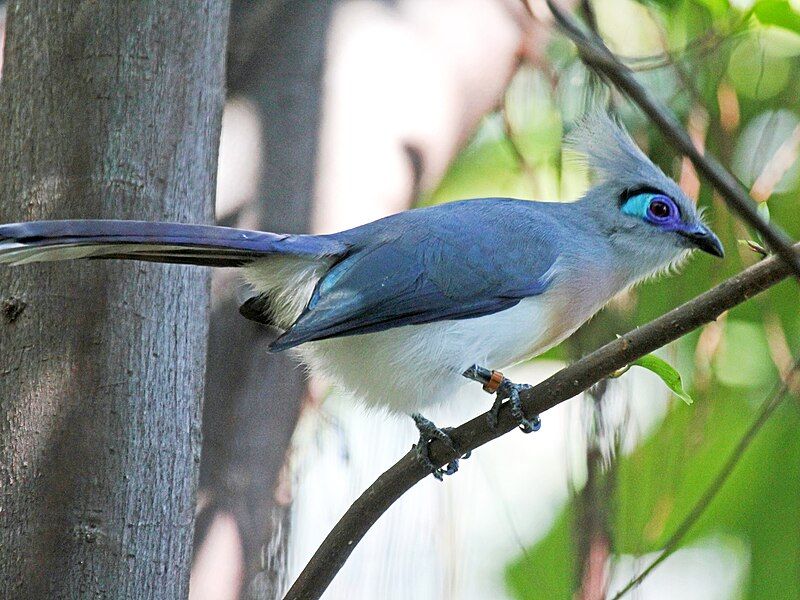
[[495, 383], [428, 432]]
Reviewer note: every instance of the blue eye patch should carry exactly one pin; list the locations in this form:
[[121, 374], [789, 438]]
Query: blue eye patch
[[636, 206], [654, 208]]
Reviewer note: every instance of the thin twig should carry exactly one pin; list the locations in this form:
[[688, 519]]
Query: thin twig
[[598, 57], [768, 407], [704, 45], [511, 140], [407, 472]]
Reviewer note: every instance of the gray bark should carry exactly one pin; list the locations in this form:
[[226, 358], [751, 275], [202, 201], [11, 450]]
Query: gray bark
[[107, 110]]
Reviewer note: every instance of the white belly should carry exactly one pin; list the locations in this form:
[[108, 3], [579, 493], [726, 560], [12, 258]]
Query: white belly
[[409, 368]]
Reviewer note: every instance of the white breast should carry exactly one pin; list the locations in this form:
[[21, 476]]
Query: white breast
[[409, 368]]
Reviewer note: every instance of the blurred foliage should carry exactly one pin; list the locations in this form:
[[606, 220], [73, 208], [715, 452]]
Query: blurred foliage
[[660, 482], [731, 71]]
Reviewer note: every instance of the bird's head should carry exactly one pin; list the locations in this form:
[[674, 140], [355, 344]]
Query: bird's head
[[646, 215]]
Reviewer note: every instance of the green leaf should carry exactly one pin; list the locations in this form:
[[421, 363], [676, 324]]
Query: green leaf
[[757, 247], [668, 375], [777, 12]]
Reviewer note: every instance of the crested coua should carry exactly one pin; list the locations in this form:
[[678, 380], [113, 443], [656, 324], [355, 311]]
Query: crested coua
[[399, 310]]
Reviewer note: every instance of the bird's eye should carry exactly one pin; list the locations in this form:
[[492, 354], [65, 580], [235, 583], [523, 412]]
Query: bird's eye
[[654, 208], [660, 209]]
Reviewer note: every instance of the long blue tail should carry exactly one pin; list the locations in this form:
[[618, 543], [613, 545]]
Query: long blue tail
[[205, 245]]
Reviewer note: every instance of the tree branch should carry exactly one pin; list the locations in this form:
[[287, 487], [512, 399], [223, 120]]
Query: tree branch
[[570, 381], [596, 55]]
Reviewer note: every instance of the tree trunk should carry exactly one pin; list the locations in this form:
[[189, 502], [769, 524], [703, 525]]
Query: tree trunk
[[108, 110]]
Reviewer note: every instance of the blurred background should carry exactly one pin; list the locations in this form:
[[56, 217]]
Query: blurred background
[[341, 112]]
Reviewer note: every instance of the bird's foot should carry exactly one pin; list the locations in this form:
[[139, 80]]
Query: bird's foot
[[495, 383], [509, 389], [428, 432]]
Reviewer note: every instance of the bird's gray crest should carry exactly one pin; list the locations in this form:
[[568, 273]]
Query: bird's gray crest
[[607, 148]]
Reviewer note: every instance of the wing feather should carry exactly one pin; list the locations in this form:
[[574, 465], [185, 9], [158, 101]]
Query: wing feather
[[427, 270]]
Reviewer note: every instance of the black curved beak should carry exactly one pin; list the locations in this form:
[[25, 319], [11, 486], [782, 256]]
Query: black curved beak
[[706, 240]]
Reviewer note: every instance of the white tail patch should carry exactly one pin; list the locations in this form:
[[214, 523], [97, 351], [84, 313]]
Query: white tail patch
[[15, 253], [288, 282]]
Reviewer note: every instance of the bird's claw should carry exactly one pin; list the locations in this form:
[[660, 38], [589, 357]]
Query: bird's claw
[[495, 382], [428, 432], [509, 389]]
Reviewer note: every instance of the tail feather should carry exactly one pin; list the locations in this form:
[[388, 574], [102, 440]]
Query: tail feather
[[205, 245]]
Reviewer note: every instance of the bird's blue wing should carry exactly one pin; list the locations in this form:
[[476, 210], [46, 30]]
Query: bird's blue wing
[[457, 264]]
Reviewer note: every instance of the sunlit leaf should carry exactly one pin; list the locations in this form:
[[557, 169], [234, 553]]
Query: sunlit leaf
[[777, 12], [755, 71], [668, 374]]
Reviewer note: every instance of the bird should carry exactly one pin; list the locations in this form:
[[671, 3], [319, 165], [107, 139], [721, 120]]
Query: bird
[[405, 310]]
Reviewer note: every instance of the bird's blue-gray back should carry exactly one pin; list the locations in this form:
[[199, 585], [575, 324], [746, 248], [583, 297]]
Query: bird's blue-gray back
[[462, 260]]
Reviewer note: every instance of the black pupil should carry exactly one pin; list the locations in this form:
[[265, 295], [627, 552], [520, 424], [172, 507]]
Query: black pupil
[[660, 209]]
